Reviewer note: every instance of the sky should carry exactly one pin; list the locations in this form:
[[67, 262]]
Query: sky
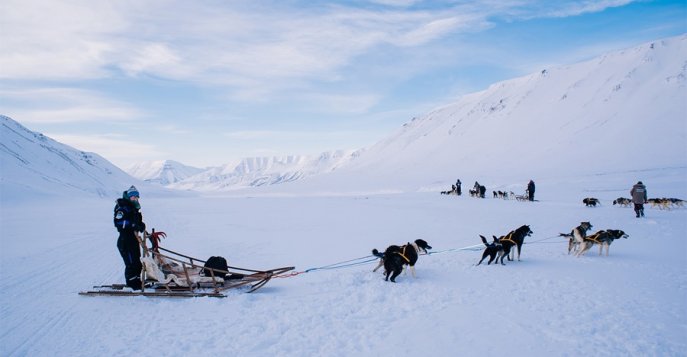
[[209, 82]]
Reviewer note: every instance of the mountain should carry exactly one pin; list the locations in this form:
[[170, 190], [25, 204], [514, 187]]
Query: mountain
[[163, 172], [623, 111], [261, 171], [34, 164]]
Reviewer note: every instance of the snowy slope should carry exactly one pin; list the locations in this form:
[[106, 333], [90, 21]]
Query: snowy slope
[[261, 171], [34, 163], [592, 117], [625, 110], [163, 172]]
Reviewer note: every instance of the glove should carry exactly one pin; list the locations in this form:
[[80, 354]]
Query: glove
[[140, 227]]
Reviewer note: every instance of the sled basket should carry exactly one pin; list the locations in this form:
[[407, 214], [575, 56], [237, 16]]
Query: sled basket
[[167, 273]]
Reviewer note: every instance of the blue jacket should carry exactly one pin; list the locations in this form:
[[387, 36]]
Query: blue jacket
[[127, 218]]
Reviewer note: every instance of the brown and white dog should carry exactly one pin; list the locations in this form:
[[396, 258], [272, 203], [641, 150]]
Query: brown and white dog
[[577, 236], [396, 257], [602, 238]]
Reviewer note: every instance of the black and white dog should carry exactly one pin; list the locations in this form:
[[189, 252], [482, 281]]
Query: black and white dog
[[502, 246], [602, 238], [576, 236], [515, 238], [492, 250], [591, 201], [396, 257]]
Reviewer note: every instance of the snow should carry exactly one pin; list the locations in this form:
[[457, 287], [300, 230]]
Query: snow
[[632, 302], [57, 236]]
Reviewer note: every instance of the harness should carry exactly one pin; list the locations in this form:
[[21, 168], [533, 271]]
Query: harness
[[402, 254], [595, 237], [508, 238]]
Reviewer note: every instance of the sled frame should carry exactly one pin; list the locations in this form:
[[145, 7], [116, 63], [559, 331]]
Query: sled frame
[[254, 279]]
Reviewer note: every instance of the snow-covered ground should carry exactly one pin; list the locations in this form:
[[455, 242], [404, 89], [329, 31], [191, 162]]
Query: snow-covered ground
[[633, 302]]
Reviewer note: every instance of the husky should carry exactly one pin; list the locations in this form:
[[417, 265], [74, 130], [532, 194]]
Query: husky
[[396, 257], [591, 201], [492, 250], [602, 238], [511, 239], [577, 236], [622, 201]]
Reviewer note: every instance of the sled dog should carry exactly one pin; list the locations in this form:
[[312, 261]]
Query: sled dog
[[396, 257], [576, 236], [511, 239], [492, 250], [591, 201], [622, 201], [602, 238]]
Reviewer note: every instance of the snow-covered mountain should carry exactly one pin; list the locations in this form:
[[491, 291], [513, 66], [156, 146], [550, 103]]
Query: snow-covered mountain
[[623, 111], [163, 172], [626, 110], [261, 171], [33, 163]]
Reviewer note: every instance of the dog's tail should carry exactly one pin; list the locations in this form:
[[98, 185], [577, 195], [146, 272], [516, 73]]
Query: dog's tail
[[376, 253], [484, 240], [566, 235]]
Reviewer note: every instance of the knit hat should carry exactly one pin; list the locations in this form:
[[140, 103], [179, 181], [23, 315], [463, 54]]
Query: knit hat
[[132, 191]]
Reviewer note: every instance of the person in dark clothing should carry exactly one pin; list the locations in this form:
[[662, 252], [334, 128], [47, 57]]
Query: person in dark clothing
[[128, 220], [530, 190], [458, 183], [639, 198]]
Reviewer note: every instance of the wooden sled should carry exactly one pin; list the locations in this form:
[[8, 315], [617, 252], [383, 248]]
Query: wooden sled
[[167, 273]]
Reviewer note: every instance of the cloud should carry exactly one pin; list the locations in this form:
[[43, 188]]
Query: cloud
[[112, 147], [582, 7], [64, 105], [250, 50]]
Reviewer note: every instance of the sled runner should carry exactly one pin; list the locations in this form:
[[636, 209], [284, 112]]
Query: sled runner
[[167, 273]]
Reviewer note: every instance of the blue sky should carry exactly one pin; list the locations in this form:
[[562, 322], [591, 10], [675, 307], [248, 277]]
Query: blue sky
[[209, 82]]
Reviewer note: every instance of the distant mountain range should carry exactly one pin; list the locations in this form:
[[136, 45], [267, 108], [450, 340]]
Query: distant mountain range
[[248, 172], [162, 172], [625, 110]]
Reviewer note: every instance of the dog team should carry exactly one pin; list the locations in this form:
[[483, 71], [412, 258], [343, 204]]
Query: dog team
[[395, 258]]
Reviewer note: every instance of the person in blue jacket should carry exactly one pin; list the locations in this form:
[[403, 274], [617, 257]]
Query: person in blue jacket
[[128, 220]]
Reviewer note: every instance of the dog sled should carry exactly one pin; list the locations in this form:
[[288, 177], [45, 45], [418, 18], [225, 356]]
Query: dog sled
[[167, 273]]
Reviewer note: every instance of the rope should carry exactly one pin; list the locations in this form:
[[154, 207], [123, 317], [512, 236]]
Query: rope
[[472, 247], [543, 239], [371, 258], [339, 265]]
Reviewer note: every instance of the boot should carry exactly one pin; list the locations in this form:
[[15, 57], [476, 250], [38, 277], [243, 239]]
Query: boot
[[135, 283]]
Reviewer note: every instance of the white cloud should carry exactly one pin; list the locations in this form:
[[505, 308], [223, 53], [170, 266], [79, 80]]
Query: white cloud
[[114, 148], [64, 105], [253, 51], [582, 7]]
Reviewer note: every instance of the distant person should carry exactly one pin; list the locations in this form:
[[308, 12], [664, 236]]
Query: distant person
[[638, 193], [458, 183], [530, 190], [129, 220]]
